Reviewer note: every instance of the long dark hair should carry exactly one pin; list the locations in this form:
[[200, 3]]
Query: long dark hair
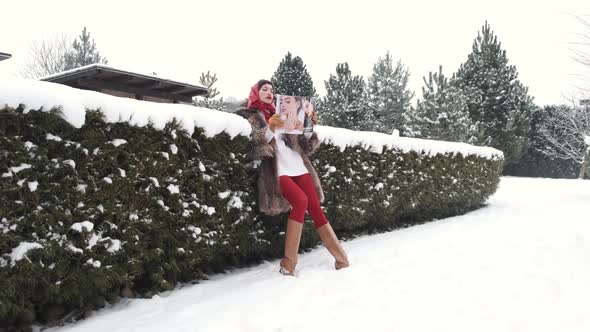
[[263, 82]]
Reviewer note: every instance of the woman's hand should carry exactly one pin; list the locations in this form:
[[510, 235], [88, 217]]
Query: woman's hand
[[299, 126], [308, 108], [314, 118], [275, 122]]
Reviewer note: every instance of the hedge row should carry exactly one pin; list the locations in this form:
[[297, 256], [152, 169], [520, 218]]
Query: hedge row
[[120, 210]]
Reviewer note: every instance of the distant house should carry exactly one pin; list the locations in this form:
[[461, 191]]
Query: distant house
[[5, 56], [121, 83]]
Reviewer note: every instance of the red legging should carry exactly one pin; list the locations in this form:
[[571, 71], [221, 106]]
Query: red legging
[[300, 192]]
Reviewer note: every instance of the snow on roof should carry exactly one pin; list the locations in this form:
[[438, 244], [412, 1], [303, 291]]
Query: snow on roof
[[74, 103], [4, 56], [112, 69]]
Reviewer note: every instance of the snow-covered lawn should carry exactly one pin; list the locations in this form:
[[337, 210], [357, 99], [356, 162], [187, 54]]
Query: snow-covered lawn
[[520, 264]]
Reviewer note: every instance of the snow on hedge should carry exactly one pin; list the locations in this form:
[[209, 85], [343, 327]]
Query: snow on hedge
[[375, 142], [19, 252], [74, 102], [85, 226], [38, 94]]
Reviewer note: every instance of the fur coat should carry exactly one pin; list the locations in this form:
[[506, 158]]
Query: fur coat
[[270, 198]]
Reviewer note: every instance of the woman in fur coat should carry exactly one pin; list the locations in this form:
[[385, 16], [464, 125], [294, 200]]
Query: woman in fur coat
[[287, 181]]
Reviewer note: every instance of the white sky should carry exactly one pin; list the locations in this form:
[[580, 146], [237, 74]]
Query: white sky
[[243, 41]]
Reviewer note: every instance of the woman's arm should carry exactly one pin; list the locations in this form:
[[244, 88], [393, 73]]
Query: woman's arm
[[261, 143], [261, 136], [309, 145]]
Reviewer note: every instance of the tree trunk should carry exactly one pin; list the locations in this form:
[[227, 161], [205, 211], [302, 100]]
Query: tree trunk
[[583, 168]]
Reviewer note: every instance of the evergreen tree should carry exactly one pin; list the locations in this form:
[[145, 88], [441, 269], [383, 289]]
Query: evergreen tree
[[292, 78], [565, 135], [495, 97], [389, 96], [539, 161], [83, 52], [345, 103], [208, 100], [441, 114]]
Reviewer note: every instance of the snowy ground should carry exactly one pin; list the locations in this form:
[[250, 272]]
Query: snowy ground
[[520, 264]]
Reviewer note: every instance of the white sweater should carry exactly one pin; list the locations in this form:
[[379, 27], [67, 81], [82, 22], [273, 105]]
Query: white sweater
[[289, 162]]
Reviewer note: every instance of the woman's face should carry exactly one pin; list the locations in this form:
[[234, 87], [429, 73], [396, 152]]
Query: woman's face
[[266, 93], [289, 104]]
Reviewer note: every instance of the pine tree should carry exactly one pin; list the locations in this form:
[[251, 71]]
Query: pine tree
[[345, 103], [565, 134], [208, 100], [388, 94], [539, 160], [495, 97], [441, 114], [292, 78], [83, 52]]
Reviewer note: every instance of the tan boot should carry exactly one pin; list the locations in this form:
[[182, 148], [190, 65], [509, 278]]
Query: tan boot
[[292, 239], [333, 245]]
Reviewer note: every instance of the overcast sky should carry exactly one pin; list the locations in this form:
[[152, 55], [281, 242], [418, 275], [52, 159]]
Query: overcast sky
[[243, 41]]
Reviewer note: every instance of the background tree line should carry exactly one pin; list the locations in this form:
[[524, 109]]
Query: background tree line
[[482, 103]]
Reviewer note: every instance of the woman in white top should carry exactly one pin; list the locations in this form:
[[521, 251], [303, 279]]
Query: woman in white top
[[287, 179]]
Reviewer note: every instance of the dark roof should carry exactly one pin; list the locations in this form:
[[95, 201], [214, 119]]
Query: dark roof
[[98, 76], [4, 56]]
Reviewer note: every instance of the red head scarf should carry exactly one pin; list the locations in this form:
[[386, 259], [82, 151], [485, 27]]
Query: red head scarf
[[254, 102]]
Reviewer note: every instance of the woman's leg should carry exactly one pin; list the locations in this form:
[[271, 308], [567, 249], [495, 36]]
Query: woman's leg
[[297, 197], [324, 229], [298, 201], [331, 242], [305, 182]]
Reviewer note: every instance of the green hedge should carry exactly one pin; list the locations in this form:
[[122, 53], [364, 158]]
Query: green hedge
[[168, 208]]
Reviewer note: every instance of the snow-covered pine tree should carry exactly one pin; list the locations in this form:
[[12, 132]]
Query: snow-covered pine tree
[[535, 162], [566, 135], [208, 100], [495, 97], [441, 114], [389, 96], [345, 103], [83, 52], [292, 78]]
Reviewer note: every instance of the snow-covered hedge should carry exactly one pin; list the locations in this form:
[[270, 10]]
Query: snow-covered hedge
[[107, 197]]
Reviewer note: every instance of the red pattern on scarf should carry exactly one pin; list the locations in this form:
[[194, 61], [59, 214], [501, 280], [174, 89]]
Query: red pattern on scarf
[[254, 101]]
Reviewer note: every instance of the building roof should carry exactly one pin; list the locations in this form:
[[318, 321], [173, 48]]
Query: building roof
[[4, 56], [99, 76]]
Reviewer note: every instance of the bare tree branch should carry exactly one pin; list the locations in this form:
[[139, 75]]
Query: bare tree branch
[[567, 130], [46, 58], [581, 53]]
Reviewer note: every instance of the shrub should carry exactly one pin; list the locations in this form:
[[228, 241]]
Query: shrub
[[112, 206]]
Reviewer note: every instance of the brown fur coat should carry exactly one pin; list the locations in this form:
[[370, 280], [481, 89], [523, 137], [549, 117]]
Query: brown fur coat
[[270, 198]]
